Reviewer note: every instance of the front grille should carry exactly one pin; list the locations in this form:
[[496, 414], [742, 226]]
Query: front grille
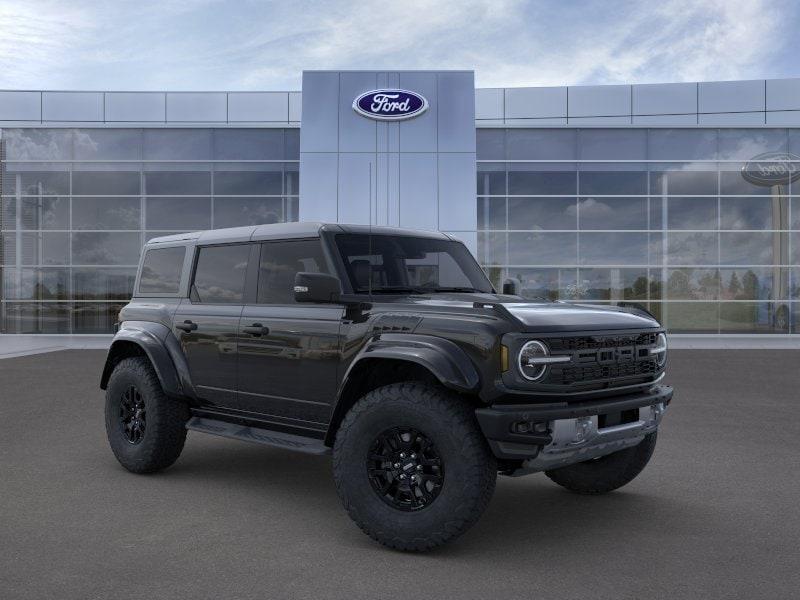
[[604, 360], [572, 375], [595, 342]]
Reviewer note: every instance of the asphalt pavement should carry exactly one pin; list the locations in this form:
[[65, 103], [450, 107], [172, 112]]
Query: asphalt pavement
[[715, 515]]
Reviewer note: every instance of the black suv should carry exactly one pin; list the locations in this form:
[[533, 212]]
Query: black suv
[[391, 350]]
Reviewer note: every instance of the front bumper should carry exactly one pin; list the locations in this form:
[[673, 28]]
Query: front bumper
[[548, 436]]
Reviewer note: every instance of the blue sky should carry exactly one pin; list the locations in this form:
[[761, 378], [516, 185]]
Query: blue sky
[[249, 45]]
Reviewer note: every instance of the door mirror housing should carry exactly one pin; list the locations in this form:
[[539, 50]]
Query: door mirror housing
[[317, 287]]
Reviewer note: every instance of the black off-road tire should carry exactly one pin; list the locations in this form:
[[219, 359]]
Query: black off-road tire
[[606, 473], [164, 431], [469, 468]]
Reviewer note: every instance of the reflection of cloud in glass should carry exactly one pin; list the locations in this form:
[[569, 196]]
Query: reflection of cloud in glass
[[217, 293], [37, 144], [591, 208], [84, 144], [692, 248], [746, 144]]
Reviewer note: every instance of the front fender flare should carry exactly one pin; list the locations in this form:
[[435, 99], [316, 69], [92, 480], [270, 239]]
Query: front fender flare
[[443, 358]]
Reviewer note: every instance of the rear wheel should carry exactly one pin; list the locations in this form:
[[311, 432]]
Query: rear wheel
[[146, 430], [411, 467], [606, 473]]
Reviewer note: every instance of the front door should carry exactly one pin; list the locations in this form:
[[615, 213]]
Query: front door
[[207, 323], [289, 352]]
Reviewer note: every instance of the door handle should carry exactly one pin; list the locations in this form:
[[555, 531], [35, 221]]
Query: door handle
[[256, 329], [186, 326]]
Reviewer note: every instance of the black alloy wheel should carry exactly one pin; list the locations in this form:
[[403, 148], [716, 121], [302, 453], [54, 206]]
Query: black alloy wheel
[[132, 415], [405, 469]]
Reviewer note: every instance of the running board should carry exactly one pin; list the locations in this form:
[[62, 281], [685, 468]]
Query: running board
[[269, 437]]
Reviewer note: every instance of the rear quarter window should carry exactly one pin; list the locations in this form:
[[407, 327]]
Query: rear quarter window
[[220, 274], [161, 270]]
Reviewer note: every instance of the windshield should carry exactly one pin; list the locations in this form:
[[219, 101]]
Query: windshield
[[385, 264]]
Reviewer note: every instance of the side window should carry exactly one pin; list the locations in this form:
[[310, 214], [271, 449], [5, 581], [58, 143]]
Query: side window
[[280, 262], [161, 270], [219, 275]]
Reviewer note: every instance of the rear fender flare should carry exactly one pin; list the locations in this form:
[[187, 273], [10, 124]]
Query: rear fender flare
[[162, 349]]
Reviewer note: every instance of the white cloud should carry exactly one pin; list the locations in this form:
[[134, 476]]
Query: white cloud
[[210, 44]]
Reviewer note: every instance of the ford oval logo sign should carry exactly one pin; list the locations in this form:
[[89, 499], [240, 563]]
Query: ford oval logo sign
[[772, 168], [390, 105]]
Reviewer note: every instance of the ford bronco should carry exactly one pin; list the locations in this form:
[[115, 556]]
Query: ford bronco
[[391, 350]]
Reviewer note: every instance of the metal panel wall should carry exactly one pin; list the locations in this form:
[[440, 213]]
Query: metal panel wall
[[258, 107], [754, 103], [412, 173], [72, 106], [20, 106], [731, 96], [536, 103], [136, 107], [195, 107], [599, 101], [665, 99]]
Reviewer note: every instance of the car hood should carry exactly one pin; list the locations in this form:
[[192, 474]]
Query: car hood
[[573, 317], [541, 316]]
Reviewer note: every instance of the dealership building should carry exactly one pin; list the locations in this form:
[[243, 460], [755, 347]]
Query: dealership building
[[680, 197]]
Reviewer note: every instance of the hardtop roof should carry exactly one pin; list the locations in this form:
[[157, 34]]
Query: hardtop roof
[[291, 230]]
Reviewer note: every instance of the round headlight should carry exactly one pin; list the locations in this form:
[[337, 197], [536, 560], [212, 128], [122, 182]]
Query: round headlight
[[660, 350], [529, 356]]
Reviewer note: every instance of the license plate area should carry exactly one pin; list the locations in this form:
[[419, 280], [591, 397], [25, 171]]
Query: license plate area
[[617, 418]]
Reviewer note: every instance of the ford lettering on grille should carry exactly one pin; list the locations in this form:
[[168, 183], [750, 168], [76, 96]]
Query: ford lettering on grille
[[597, 359], [390, 105]]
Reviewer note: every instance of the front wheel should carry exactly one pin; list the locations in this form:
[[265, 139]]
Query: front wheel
[[606, 473], [411, 467]]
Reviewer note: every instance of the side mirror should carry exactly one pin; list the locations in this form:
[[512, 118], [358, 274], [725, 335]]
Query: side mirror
[[510, 287], [316, 287]]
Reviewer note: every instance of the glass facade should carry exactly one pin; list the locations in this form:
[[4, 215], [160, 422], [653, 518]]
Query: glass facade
[[78, 204], [661, 217], [664, 217]]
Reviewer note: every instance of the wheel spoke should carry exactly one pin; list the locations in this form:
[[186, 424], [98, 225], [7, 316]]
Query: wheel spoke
[[132, 415], [397, 493], [404, 468]]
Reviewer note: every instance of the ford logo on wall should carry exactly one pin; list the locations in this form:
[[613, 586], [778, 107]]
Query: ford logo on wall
[[390, 105], [772, 168]]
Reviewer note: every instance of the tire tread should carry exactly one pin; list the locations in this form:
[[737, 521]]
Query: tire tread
[[477, 489], [165, 432]]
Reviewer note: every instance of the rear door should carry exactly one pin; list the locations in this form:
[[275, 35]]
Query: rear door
[[206, 324], [288, 352]]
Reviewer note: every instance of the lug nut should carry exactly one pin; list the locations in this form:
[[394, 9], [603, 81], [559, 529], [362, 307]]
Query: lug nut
[[402, 455], [402, 476], [396, 465], [419, 467], [413, 456]]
